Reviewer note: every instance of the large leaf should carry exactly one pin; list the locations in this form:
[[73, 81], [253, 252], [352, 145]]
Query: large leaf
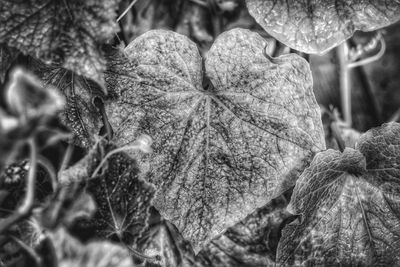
[[222, 150], [316, 26], [69, 33], [350, 206]]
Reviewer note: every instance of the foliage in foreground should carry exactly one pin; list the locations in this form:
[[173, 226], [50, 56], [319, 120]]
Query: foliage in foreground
[[169, 152]]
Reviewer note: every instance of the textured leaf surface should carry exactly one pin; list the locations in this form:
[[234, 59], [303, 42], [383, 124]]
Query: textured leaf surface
[[222, 150], [65, 32], [79, 114], [318, 25], [123, 200], [350, 206], [251, 242]]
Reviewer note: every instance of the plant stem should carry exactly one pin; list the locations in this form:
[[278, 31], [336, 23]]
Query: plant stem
[[25, 209], [345, 89]]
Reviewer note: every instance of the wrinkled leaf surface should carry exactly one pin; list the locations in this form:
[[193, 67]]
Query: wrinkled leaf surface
[[223, 149], [350, 206], [318, 25]]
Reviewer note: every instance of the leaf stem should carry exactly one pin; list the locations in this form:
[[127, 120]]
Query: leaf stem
[[126, 10], [112, 152], [344, 76]]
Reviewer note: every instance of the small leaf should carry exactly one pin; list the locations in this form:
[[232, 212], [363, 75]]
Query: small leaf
[[221, 151], [314, 27], [69, 33], [123, 200], [349, 203], [26, 98]]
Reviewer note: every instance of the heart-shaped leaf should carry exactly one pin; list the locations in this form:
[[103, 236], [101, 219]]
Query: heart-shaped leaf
[[222, 150], [317, 26], [69, 33], [350, 206]]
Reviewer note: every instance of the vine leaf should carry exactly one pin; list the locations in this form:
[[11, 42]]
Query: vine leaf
[[251, 242], [221, 151], [68, 33], [79, 114], [123, 199], [315, 27], [349, 203]]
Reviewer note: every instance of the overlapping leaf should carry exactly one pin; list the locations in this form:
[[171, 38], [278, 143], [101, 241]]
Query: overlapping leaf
[[252, 242], [350, 206], [69, 33], [79, 114], [222, 150], [318, 25]]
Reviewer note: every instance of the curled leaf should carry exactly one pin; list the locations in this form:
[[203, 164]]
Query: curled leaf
[[222, 150], [349, 206], [316, 26]]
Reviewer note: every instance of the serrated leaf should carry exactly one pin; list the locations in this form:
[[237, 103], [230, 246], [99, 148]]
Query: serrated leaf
[[251, 242], [123, 200], [69, 33], [350, 206], [221, 151], [316, 26]]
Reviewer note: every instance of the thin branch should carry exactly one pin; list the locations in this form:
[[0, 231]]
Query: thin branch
[[126, 10], [25, 209], [67, 157], [46, 164]]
